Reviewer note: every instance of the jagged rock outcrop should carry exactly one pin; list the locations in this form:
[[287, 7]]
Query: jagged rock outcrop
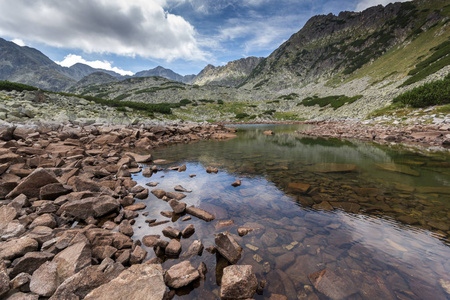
[[232, 74]]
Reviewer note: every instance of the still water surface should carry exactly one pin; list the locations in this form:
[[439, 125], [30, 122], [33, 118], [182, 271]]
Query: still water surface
[[375, 218]]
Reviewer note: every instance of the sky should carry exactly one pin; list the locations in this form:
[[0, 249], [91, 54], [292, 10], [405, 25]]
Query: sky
[[128, 36]]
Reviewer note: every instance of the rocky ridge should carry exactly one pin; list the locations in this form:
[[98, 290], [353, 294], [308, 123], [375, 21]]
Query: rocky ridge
[[232, 74]]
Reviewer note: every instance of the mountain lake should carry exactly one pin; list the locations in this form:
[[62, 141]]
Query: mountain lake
[[339, 219]]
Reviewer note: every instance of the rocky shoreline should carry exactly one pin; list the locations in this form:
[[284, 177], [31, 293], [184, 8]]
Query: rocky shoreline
[[67, 206], [423, 135]]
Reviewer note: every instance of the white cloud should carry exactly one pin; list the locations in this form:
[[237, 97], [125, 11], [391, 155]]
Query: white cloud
[[363, 4], [72, 59], [132, 27], [261, 33], [18, 42]]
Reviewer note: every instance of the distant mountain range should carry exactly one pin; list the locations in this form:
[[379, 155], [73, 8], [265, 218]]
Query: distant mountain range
[[30, 66]]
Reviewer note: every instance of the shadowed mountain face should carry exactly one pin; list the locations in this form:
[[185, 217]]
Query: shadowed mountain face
[[30, 66], [330, 45]]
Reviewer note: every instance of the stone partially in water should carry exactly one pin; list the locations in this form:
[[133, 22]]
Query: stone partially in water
[[398, 169], [181, 275], [332, 168], [199, 213], [177, 206], [228, 247]]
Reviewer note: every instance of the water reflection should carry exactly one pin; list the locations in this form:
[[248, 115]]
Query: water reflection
[[332, 218]]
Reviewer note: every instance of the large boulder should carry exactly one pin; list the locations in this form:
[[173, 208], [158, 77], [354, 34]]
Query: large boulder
[[227, 246], [143, 281], [73, 259], [44, 280], [181, 275], [30, 262], [53, 191], [88, 279], [17, 247], [30, 186], [90, 207], [238, 282]]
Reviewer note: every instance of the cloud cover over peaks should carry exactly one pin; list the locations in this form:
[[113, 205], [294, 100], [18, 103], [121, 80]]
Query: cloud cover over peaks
[[132, 27]]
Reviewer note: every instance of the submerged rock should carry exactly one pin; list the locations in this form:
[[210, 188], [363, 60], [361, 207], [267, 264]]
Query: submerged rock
[[333, 285], [398, 169], [238, 282], [332, 168]]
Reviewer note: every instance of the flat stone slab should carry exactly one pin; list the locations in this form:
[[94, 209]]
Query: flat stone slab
[[398, 169], [200, 213], [143, 281]]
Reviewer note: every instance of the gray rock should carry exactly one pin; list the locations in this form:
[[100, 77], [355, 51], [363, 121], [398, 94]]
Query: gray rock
[[175, 195], [31, 185], [228, 247], [12, 230], [181, 275], [21, 282], [73, 259], [88, 279], [188, 231], [4, 278], [159, 193], [125, 228], [44, 280], [177, 206], [150, 240], [102, 252], [7, 214], [200, 213], [238, 282], [173, 249], [44, 220], [171, 232], [41, 234], [53, 191], [138, 255], [17, 247], [179, 188], [90, 207], [30, 262], [333, 284], [138, 282], [23, 296], [196, 248]]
